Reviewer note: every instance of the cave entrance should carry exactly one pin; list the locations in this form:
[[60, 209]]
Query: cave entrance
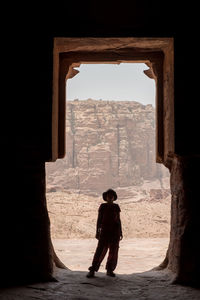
[[157, 54]]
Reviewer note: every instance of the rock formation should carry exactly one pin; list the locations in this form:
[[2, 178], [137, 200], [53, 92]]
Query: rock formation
[[108, 144]]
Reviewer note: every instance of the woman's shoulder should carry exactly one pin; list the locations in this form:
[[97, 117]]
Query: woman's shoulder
[[102, 205], [117, 206]]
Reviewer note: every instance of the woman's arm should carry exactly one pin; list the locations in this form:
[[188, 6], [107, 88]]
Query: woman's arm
[[120, 225], [99, 223], [120, 229]]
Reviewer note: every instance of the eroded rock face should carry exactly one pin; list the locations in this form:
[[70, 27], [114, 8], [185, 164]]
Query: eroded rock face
[[108, 144], [183, 253]]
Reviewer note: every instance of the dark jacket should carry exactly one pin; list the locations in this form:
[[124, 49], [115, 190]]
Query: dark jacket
[[108, 222]]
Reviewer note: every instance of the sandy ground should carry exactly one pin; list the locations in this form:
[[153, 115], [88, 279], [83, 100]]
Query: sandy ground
[[131, 282], [135, 255], [74, 216]]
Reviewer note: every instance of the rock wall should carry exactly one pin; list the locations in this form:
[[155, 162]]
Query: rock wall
[[108, 144], [26, 249], [184, 248]]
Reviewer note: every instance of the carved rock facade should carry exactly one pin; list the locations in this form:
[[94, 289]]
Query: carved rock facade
[[108, 144]]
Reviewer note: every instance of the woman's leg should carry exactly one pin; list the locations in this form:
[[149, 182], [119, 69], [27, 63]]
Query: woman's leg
[[112, 256], [99, 255]]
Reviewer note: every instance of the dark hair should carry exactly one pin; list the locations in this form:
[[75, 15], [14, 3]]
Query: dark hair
[[109, 192]]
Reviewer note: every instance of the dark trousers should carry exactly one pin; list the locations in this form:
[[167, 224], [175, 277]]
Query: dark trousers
[[101, 250]]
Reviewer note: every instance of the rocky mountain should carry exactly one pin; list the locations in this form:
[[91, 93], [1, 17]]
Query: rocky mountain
[[108, 144]]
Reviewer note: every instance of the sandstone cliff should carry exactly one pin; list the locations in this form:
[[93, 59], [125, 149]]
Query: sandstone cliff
[[108, 144]]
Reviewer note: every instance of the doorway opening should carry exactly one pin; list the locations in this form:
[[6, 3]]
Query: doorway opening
[[76, 111], [156, 53]]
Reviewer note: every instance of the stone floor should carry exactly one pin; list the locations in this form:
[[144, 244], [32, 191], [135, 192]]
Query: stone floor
[[132, 281], [151, 285]]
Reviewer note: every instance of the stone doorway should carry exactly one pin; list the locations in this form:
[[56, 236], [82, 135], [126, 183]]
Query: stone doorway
[[153, 58], [157, 53]]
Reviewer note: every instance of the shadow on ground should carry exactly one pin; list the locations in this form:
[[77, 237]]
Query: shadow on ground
[[74, 285]]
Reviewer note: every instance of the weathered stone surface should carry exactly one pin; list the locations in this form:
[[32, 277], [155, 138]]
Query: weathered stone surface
[[149, 285], [183, 253], [108, 144]]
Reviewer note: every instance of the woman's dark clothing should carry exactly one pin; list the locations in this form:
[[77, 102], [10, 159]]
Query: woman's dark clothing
[[108, 232], [100, 253]]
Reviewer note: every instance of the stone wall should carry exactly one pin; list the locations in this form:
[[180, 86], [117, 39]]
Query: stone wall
[[26, 249], [30, 38], [183, 253]]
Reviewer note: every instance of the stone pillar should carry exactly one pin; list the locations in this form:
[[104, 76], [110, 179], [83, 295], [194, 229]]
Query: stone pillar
[[183, 256]]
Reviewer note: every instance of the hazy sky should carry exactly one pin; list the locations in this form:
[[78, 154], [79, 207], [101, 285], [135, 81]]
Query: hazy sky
[[112, 82]]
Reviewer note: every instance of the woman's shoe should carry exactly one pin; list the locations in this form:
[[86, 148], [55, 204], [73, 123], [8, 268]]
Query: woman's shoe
[[110, 273], [90, 274]]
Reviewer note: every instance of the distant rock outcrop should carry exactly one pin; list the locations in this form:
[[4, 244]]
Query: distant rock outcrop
[[108, 144]]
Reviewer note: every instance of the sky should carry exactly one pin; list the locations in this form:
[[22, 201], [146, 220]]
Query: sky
[[125, 81]]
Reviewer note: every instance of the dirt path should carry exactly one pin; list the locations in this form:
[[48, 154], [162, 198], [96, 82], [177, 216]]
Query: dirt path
[[135, 255]]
